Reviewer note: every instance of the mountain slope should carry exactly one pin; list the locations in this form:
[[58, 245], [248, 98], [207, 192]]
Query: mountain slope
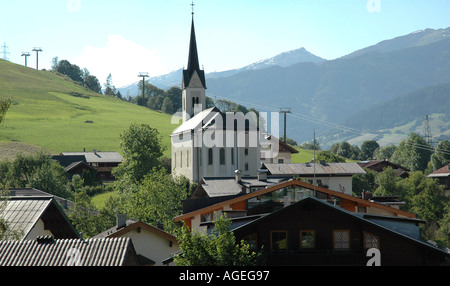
[[52, 112], [173, 78], [395, 119], [415, 39], [321, 95]]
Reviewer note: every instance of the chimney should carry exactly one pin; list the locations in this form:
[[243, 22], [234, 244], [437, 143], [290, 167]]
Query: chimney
[[366, 195], [262, 175], [238, 175], [121, 220]]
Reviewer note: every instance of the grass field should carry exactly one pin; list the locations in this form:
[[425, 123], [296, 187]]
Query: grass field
[[53, 113]]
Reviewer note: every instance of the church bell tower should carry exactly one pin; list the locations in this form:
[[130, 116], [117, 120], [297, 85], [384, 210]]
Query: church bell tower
[[193, 82]]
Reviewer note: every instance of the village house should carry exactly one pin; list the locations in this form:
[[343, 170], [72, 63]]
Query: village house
[[333, 176], [37, 214], [152, 244], [198, 211], [102, 162], [315, 232], [274, 150], [443, 176], [380, 165]]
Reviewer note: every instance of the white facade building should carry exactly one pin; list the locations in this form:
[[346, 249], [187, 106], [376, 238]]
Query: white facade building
[[210, 143]]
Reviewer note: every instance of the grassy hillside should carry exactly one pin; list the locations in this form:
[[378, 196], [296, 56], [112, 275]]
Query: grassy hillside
[[53, 113]]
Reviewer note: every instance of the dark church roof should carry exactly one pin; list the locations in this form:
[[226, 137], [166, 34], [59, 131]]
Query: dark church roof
[[193, 63]]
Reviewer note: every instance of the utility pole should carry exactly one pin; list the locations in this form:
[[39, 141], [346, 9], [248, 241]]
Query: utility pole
[[25, 54], [427, 131], [285, 111], [5, 52], [143, 75], [37, 50]]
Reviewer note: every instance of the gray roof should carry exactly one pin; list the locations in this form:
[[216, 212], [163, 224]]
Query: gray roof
[[228, 186], [97, 157], [216, 187], [46, 251], [32, 192], [308, 169], [23, 212]]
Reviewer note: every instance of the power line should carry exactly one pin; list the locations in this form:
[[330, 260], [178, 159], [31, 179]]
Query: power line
[[335, 125]]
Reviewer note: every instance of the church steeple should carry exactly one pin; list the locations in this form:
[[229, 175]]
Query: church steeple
[[193, 62], [193, 82]]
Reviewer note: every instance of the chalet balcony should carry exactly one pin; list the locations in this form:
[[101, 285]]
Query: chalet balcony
[[317, 258]]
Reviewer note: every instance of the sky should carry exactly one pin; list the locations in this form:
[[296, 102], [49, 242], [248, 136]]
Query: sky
[[124, 38]]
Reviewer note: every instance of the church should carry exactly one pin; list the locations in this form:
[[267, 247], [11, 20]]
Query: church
[[211, 143]]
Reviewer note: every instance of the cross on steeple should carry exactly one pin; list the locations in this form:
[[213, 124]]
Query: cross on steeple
[[192, 7]]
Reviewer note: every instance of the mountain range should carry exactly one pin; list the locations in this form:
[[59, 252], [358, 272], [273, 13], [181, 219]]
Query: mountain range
[[345, 98]]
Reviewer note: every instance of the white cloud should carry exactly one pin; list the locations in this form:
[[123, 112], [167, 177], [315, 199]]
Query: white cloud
[[123, 58]]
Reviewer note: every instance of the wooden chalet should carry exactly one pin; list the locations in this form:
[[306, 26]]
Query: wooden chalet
[[380, 165], [316, 232], [277, 196]]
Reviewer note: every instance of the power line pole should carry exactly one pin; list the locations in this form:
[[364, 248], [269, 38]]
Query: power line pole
[[5, 52], [143, 75], [427, 131], [285, 111], [37, 50], [25, 54]]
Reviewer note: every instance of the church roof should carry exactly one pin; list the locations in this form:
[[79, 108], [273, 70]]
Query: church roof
[[193, 63], [216, 119]]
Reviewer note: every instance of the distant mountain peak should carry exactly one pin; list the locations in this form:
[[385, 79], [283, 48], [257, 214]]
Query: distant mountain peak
[[285, 59]]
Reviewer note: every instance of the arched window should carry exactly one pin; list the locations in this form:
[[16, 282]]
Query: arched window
[[210, 156], [222, 156]]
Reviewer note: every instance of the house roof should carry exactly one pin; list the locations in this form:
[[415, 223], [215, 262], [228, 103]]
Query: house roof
[[282, 146], [357, 216], [68, 159], [197, 121], [228, 186], [132, 225], [47, 251], [23, 212], [290, 183], [309, 169], [32, 192], [76, 165], [441, 172], [372, 163], [97, 157]]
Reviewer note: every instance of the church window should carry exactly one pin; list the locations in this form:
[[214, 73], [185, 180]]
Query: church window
[[187, 158], [210, 156], [222, 156]]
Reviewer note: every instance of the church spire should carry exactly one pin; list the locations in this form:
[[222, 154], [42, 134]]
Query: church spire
[[193, 54], [193, 62]]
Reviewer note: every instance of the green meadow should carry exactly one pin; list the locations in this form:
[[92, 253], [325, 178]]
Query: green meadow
[[52, 113]]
